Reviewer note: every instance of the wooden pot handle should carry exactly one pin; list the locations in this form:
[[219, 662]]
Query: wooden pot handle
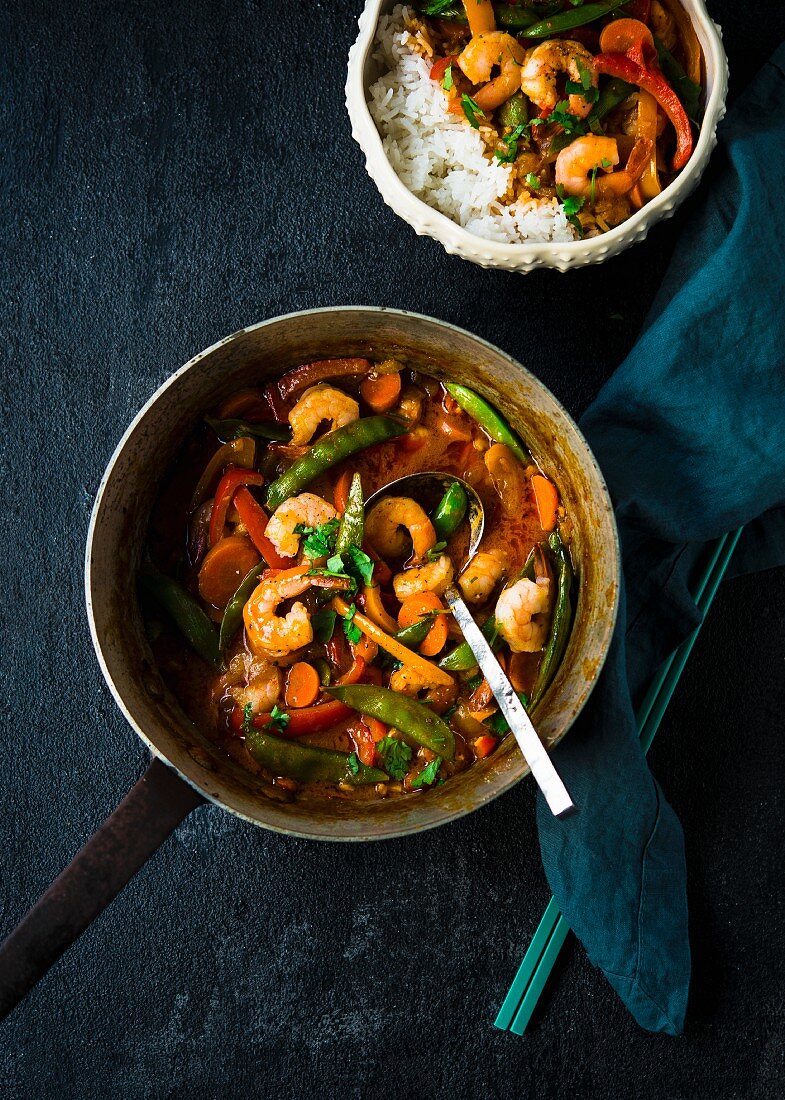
[[151, 810]]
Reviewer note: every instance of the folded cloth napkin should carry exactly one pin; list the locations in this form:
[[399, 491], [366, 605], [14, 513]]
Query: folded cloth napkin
[[690, 434]]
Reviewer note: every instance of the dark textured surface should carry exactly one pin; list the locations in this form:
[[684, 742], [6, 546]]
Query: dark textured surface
[[172, 172]]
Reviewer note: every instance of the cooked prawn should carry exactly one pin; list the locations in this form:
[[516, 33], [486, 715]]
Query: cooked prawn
[[413, 682], [435, 577], [478, 59], [521, 614], [590, 153], [271, 635], [389, 520], [308, 509], [253, 680], [319, 403], [540, 74], [482, 574]]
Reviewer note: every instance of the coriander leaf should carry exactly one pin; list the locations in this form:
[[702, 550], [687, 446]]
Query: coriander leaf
[[358, 564], [335, 565], [353, 763], [318, 542], [532, 181], [472, 111], [436, 7], [395, 756], [247, 717], [323, 623], [428, 774], [606, 163], [511, 144], [350, 629], [279, 719], [436, 551], [447, 82], [497, 723]]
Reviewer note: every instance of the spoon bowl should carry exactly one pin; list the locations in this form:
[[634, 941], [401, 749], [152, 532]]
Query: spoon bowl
[[428, 488]]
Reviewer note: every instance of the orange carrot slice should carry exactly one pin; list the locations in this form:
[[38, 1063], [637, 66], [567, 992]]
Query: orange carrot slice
[[381, 392], [224, 567], [547, 501], [414, 609], [302, 685]]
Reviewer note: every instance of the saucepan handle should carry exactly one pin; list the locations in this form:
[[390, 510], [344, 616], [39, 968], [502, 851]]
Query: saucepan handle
[[150, 811]]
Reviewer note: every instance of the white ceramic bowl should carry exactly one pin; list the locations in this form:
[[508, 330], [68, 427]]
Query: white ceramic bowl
[[426, 221]]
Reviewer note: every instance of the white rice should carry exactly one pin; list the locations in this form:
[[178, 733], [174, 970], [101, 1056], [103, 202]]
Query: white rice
[[439, 157]]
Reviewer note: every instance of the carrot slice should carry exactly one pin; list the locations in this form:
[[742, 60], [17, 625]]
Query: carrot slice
[[416, 608], [381, 392], [302, 685], [484, 746], [341, 490], [625, 35], [547, 501], [400, 652], [224, 567]]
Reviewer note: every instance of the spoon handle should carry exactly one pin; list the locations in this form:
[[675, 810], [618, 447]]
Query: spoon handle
[[535, 754]]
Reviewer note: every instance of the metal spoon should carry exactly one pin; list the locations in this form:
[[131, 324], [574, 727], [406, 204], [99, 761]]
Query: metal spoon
[[431, 485]]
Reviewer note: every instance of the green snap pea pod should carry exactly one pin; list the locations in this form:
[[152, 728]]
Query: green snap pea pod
[[185, 612], [514, 111], [560, 621], [236, 429], [415, 635], [461, 658], [413, 719], [233, 615], [488, 419], [329, 451], [307, 762], [450, 511], [510, 16], [614, 93], [568, 20], [350, 531]]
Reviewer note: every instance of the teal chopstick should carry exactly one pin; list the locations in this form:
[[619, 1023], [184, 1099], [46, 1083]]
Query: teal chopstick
[[528, 984]]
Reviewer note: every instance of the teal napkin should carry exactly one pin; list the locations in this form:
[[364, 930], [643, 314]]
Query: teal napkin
[[690, 434]]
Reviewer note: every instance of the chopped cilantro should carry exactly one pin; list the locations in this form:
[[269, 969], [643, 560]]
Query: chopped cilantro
[[323, 623], [497, 723], [569, 122], [247, 717], [353, 763], [350, 629], [279, 719], [472, 111], [571, 204], [511, 144], [428, 774], [335, 565], [436, 7], [447, 82], [436, 551], [318, 542], [395, 756], [532, 181], [358, 564]]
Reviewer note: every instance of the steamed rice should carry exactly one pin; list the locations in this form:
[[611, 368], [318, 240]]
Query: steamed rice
[[439, 157]]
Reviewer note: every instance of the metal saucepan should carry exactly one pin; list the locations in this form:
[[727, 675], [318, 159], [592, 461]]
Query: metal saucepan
[[196, 770]]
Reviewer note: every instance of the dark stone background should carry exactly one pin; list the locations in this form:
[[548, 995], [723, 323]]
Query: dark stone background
[[172, 171]]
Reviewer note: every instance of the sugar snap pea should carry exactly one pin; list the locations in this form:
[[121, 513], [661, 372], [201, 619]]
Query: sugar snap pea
[[461, 658], [233, 615], [488, 419], [560, 621], [509, 16], [450, 511], [350, 531], [185, 612], [514, 111], [329, 451], [237, 429], [308, 763], [413, 719], [568, 20], [416, 634]]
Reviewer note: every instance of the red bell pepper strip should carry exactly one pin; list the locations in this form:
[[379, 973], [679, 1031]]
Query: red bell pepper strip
[[299, 379], [234, 477], [440, 67], [255, 519], [652, 80], [364, 743]]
